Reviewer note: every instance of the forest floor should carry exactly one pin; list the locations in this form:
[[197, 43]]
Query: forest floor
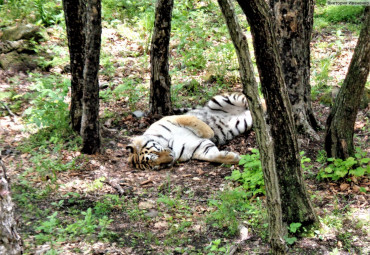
[[106, 207]]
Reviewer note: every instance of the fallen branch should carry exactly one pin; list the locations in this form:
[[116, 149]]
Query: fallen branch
[[8, 109], [121, 192]]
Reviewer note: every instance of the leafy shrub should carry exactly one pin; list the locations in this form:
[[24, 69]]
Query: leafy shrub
[[353, 166], [343, 13], [49, 12], [251, 178], [44, 12], [49, 110]]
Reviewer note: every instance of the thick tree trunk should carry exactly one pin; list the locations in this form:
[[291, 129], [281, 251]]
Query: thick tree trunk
[[160, 82], [341, 120], [74, 13], [264, 140], [295, 202], [294, 20], [90, 116], [10, 241]]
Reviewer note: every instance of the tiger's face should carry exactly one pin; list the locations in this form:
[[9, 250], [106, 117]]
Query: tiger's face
[[150, 155]]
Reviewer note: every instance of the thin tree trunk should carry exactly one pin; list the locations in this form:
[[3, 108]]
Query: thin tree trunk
[[264, 140], [341, 120], [90, 116], [10, 241], [160, 82], [294, 20], [296, 205], [74, 13]]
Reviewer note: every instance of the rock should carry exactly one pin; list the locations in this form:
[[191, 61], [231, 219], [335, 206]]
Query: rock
[[161, 225], [20, 32], [103, 85], [146, 205], [17, 62], [152, 213], [138, 114], [20, 46]]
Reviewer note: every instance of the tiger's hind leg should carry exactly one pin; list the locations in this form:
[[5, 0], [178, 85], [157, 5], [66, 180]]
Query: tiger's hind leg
[[198, 127], [208, 151]]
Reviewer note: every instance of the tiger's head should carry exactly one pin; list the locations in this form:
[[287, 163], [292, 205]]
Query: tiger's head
[[148, 154]]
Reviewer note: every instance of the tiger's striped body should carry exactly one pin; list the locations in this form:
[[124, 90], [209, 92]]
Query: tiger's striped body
[[193, 135]]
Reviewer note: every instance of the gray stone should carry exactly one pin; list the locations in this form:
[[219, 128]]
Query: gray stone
[[138, 114], [152, 213], [19, 46], [16, 62], [20, 32]]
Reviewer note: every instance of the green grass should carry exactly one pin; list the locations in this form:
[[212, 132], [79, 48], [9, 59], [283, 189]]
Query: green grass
[[42, 12]]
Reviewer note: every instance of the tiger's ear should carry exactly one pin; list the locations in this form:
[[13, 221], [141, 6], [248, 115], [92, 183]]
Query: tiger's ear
[[131, 148]]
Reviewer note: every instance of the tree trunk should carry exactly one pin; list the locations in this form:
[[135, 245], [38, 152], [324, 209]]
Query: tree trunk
[[264, 140], [294, 20], [74, 13], [160, 82], [341, 120], [295, 202], [10, 241], [90, 116]]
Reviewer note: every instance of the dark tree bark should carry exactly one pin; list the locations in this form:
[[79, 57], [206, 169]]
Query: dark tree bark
[[90, 113], [341, 120], [10, 241], [264, 140], [296, 205], [75, 18], [294, 20], [160, 82]]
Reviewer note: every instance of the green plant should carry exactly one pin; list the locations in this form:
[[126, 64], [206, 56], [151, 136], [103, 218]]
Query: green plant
[[305, 163], [47, 228], [49, 109], [251, 178], [49, 12], [85, 227], [216, 248], [229, 205], [108, 204], [48, 167], [168, 201], [352, 166], [292, 228], [130, 90], [342, 13]]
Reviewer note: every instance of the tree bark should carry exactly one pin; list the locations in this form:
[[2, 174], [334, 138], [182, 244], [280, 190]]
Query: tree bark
[[296, 205], [294, 20], [74, 14], [264, 140], [10, 241], [160, 82], [90, 107], [341, 120]]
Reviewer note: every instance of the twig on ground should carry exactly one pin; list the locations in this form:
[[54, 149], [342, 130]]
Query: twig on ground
[[116, 186], [13, 115]]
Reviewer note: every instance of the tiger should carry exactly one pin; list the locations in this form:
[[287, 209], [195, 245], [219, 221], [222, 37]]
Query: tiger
[[193, 135]]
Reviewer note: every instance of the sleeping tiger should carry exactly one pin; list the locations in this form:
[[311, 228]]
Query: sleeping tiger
[[193, 135]]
